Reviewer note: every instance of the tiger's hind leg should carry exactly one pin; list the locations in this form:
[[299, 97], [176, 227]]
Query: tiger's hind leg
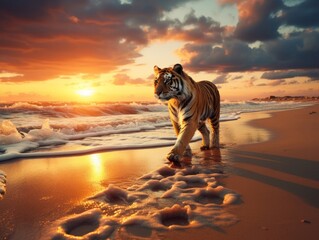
[[215, 133], [202, 128]]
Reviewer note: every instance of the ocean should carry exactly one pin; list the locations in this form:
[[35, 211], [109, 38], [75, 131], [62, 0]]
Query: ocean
[[39, 129]]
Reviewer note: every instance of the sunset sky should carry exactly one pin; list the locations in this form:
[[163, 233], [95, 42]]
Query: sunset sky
[[105, 50]]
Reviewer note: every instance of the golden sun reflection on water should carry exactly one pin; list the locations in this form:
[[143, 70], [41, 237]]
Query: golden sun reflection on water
[[98, 170]]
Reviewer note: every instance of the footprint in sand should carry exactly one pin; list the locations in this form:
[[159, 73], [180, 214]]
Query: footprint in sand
[[164, 199]]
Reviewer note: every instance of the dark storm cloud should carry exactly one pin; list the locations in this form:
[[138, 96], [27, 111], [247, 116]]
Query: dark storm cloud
[[197, 29], [257, 20], [299, 51], [305, 14], [32, 10], [233, 55]]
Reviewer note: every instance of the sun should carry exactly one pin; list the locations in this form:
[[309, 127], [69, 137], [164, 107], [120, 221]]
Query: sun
[[85, 92]]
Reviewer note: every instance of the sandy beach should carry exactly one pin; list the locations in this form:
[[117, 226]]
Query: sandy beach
[[277, 181], [269, 159]]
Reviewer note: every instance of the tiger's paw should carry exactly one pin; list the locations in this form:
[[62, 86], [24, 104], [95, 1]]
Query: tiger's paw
[[172, 157], [215, 146], [204, 147], [188, 153]]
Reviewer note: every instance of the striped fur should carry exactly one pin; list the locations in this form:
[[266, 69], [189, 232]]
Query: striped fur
[[190, 104]]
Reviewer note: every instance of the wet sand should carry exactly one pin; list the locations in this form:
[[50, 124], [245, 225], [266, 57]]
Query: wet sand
[[278, 181], [40, 191]]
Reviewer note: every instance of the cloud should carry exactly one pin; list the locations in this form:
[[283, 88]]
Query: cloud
[[42, 40], [10, 96], [237, 77], [124, 79], [257, 21], [277, 82], [304, 14], [200, 29], [6, 76], [45, 39], [273, 75], [221, 79], [32, 11], [232, 56], [74, 19], [297, 51]]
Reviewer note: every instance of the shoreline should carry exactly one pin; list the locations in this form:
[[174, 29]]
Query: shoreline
[[247, 178]]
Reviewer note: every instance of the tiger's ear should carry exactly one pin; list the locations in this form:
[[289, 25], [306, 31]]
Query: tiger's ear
[[178, 68], [156, 69]]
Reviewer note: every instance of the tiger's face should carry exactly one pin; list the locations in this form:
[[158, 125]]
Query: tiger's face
[[167, 83]]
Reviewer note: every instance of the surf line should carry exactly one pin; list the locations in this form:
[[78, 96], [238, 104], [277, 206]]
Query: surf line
[[17, 155]]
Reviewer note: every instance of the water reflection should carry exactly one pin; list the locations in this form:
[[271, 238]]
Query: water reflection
[[98, 173], [211, 158], [213, 154], [240, 132]]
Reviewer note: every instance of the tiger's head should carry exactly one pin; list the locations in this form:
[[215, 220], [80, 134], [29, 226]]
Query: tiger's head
[[168, 82]]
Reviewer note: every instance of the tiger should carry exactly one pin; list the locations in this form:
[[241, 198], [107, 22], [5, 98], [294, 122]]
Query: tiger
[[190, 104]]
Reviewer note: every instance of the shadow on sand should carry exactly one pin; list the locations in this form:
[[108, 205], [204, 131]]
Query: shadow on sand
[[301, 168]]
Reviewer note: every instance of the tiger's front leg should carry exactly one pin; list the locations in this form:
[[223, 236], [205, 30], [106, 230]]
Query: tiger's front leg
[[182, 143]]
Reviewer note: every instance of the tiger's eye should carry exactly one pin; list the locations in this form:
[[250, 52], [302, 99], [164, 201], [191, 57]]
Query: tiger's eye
[[155, 81]]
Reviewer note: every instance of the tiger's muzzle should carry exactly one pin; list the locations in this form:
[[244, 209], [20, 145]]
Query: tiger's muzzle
[[162, 96]]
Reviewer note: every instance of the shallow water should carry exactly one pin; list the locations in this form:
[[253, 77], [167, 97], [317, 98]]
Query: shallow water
[[42, 190]]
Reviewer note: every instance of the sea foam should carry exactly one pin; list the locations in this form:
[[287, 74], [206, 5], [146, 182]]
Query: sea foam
[[3, 182], [35, 129], [15, 145], [162, 200]]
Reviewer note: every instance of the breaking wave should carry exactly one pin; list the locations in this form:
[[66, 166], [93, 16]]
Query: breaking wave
[[34, 129]]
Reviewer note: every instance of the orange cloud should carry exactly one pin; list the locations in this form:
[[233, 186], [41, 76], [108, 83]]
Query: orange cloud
[[74, 19], [42, 40]]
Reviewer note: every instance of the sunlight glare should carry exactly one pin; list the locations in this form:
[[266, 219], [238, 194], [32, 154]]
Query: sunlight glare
[[85, 92], [98, 172]]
